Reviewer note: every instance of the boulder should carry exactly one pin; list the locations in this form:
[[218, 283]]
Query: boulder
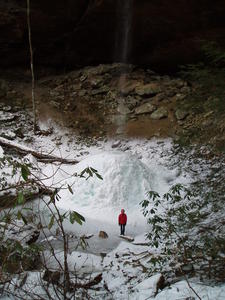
[[160, 113], [148, 89], [123, 109], [103, 235], [119, 120], [132, 102], [181, 114], [180, 96], [146, 108], [116, 144], [103, 90], [159, 97], [128, 88]]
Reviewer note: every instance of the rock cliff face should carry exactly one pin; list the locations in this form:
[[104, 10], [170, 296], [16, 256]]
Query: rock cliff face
[[161, 34]]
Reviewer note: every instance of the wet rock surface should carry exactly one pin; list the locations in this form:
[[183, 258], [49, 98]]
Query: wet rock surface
[[109, 100]]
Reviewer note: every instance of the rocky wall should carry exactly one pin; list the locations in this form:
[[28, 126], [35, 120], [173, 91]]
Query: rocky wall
[[161, 34]]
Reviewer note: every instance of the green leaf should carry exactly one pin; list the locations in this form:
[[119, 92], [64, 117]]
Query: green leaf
[[82, 173], [51, 222], [156, 244], [63, 217], [76, 217], [20, 198], [153, 195], [57, 197], [24, 219], [21, 216], [90, 173], [144, 203], [25, 172], [99, 176], [70, 189], [18, 246]]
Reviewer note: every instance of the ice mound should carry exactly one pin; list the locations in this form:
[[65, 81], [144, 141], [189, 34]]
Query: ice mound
[[125, 181]]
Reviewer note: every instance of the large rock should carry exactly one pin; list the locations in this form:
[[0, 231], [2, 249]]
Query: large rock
[[103, 235], [128, 88], [148, 89], [145, 109], [160, 113], [181, 114], [163, 34], [123, 109]]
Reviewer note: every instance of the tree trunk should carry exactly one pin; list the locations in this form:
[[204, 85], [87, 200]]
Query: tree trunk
[[31, 68], [44, 157]]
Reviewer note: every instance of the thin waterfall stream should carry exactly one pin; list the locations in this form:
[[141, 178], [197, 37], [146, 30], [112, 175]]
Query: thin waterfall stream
[[123, 43], [122, 47]]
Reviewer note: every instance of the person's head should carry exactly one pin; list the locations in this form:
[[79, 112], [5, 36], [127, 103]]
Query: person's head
[[122, 211]]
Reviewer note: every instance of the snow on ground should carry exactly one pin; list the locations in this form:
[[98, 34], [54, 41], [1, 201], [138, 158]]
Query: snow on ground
[[181, 291], [1, 152], [83, 263], [124, 275], [142, 291], [129, 169]]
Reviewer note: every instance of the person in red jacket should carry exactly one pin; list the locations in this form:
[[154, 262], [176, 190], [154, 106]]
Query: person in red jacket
[[122, 220]]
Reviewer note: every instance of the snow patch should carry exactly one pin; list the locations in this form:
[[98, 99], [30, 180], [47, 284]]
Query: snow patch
[[148, 287], [180, 290], [1, 152]]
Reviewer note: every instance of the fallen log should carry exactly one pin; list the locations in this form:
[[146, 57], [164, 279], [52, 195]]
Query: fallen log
[[43, 157], [127, 238]]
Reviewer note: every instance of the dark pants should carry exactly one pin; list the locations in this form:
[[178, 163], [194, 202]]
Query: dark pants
[[122, 229]]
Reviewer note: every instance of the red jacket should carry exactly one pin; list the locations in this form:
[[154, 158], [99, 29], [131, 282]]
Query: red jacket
[[122, 219]]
